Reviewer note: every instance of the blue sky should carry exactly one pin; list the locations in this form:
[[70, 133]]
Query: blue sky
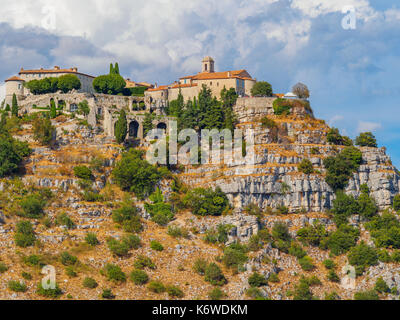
[[352, 74]]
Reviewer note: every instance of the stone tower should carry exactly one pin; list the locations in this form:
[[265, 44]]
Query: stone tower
[[207, 65]]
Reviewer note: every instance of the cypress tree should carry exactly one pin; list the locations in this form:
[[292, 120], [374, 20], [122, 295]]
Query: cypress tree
[[116, 68], [111, 69], [53, 110], [121, 127], [14, 108]]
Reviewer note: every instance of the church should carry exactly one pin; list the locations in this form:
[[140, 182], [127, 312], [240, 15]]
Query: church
[[190, 86]]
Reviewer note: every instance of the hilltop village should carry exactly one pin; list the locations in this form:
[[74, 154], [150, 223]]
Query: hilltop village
[[314, 217]]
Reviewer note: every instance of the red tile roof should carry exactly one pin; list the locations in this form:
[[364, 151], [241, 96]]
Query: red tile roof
[[15, 78], [55, 70], [239, 74]]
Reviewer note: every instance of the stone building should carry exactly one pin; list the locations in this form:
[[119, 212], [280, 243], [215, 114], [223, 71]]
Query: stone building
[[190, 86], [16, 84]]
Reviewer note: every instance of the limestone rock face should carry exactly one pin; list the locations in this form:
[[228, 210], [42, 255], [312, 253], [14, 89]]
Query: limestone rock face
[[273, 179]]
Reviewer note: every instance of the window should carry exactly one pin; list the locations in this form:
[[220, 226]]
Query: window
[[19, 86], [210, 83], [73, 107], [205, 67]]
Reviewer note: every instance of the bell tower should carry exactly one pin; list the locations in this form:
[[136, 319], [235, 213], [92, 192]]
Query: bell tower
[[207, 65]]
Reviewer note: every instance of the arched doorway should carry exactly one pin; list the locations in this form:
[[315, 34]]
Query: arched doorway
[[162, 126], [133, 129]]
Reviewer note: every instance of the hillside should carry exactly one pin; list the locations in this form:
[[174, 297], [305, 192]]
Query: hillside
[[262, 197]]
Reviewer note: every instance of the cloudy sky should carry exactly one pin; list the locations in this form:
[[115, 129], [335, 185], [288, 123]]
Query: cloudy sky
[[352, 73]]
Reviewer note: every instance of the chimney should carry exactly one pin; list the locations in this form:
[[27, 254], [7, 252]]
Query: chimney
[[229, 74]]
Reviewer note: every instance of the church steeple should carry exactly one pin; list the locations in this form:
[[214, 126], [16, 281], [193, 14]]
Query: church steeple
[[207, 65]]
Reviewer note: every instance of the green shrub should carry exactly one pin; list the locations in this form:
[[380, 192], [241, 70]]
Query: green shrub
[[312, 234], [206, 202], [49, 293], [90, 283], [216, 294], [396, 202], [340, 241], [306, 166], [156, 287], [282, 106], [33, 260], [335, 138], [220, 235], [174, 291], [281, 237], [83, 172], [70, 272], [134, 174], [114, 273], [385, 230], [160, 211], [332, 276], [3, 268], [91, 196], [332, 296], [68, 259], [64, 220], [366, 295], [297, 251], [91, 239], [121, 127], [178, 232], [329, 264], [127, 216], [302, 290], [257, 280], [362, 256], [306, 263], [12, 152], [274, 278], [366, 139], [155, 245], [235, 256], [17, 286], [107, 294], [214, 275], [200, 266], [142, 262], [139, 277], [24, 236], [26, 276], [32, 206], [43, 131], [254, 293], [261, 88], [381, 286], [268, 123]]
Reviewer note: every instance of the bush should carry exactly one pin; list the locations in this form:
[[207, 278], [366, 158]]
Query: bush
[[297, 251], [302, 291], [107, 294], [366, 139], [64, 220], [33, 260], [218, 236], [214, 275], [340, 241], [3, 268], [121, 248], [24, 236], [268, 123], [114, 273], [155, 245], [344, 206], [32, 206], [26, 276], [91, 239], [12, 153], [381, 286], [235, 256], [70, 272], [90, 283], [257, 280], [200, 266], [178, 232], [274, 278], [329, 264], [306, 166], [335, 138], [134, 174], [332, 276], [282, 106], [312, 234], [385, 230], [206, 202], [306, 263], [160, 211], [49, 293], [142, 262], [261, 89], [366, 295], [216, 294], [362, 256], [174, 291], [17, 286], [139, 277], [254, 293], [156, 287], [43, 131], [396, 202], [83, 172], [68, 259]]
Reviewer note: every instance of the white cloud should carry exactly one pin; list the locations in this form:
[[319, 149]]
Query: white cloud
[[335, 119], [365, 126]]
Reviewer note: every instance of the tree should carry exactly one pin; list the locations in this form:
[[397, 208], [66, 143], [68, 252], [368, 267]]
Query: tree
[[147, 123], [306, 166], [84, 108], [116, 68], [301, 90], [14, 108], [262, 88], [53, 109], [12, 153], [43, 131], [121, 127], [109, 84], [366, 139], [68, 82]]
